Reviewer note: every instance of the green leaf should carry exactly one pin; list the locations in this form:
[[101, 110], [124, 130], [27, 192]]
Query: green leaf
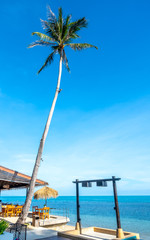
[[51, 29], [77, 25], [49, 60], [65, 60], [43, 36], [66, 26], [60, 22], [40, 43], [81, 46]]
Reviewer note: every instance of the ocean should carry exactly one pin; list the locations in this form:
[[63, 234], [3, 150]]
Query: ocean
[[99, 211]]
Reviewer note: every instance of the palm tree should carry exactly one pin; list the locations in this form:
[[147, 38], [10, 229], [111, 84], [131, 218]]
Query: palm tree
[[59, 33]]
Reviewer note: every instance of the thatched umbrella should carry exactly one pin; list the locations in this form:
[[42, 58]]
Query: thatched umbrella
[[45, 193]]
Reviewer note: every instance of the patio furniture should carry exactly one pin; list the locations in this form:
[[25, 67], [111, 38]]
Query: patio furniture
[[44, 212], [10, 211], [4, 212], [18, 210], [35, 211]]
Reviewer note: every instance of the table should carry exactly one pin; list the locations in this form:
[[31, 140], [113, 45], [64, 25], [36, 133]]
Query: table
[[11, 210]]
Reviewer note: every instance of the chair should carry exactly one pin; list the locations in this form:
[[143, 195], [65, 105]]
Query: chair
[[35, 210], [18, 210], [1, 210], [44, 213], [10, 211], [4, 212]]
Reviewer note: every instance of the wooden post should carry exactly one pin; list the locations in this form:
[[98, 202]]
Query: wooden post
[[119, 230], [27, 189], [78, 223]]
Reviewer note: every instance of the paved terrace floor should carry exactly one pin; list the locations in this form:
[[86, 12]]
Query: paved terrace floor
[[54, 238], [94, 236], [52, 221], [50, 233]]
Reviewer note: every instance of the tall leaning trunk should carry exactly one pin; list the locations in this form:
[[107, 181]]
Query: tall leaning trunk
[[22, 218]]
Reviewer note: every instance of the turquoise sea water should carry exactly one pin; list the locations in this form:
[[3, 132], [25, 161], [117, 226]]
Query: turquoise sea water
[[98, 211]]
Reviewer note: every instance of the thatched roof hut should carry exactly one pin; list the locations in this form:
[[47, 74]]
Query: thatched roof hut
[[11, 179]]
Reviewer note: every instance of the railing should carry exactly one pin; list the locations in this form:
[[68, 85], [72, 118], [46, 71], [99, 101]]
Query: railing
[[64, 212], [19, 231]]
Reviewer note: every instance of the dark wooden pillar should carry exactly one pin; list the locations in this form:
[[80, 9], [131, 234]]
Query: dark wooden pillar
[[78, 224], [0, 203], [116, 203], [27, 189]]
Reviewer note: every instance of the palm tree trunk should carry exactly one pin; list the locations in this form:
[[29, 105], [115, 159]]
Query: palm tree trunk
[[22, 218]]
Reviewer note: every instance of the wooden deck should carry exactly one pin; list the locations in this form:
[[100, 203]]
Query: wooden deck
[[96, 233], [98, 236]]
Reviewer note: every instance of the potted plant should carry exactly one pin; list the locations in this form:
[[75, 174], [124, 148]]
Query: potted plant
[[3, 226]]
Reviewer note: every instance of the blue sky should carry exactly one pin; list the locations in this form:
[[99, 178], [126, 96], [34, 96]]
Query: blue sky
[[101, 124]]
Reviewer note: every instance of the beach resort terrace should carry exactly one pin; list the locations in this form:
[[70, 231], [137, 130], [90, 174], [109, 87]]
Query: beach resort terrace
[[39, 216], [41, 224]]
